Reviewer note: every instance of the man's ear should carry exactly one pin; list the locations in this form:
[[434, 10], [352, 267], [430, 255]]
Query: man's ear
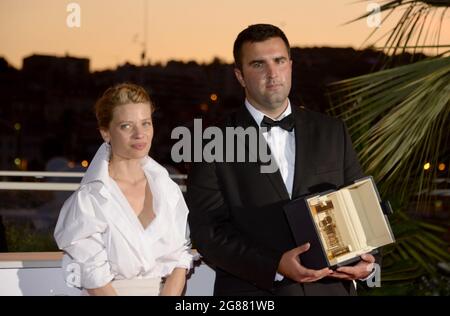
[[239, 76], [105, 135]]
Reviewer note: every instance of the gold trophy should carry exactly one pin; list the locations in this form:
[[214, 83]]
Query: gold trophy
[[329, 232]]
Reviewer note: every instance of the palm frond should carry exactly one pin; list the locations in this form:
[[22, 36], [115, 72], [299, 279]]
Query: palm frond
[[397, 118], [419, 25]]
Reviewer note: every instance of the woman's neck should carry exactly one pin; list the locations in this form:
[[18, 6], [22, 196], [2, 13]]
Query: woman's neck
[[126, 170]]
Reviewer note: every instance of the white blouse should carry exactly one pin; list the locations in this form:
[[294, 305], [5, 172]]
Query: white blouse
[[103, 239]]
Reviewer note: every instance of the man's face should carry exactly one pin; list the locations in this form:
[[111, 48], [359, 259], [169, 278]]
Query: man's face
[[266, 74]]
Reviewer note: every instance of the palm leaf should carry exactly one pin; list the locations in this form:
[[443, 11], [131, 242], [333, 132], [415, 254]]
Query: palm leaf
[[397, 118], [396, 131], [431, 249], [419, 25]]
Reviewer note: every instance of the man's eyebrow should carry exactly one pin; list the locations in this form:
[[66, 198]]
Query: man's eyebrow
[[263, 61]]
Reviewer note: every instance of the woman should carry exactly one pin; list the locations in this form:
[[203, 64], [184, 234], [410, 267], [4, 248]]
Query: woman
[[125, 228]]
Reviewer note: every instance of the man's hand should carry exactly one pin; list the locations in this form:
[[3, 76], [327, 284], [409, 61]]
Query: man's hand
[[291, 268], [359, 271]]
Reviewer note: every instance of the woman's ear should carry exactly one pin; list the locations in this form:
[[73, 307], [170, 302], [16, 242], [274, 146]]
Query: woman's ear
[[105, 135]]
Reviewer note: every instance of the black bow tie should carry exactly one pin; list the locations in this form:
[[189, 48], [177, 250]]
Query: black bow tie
[[287, 123]]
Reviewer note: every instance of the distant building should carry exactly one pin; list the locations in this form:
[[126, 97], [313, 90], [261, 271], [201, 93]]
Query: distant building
[[52, 98], [51, 68]]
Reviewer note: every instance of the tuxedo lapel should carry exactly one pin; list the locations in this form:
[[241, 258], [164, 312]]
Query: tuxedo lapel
[[244, 119], [303, 145]]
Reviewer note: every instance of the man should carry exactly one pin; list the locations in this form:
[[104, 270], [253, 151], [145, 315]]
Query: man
[[236, 210]]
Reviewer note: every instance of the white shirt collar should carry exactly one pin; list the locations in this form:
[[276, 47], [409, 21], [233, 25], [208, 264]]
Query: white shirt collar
[[258, 115], [98, 168]]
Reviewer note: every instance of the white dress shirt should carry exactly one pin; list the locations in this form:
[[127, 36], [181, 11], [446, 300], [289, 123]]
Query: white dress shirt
[[282, 147], [281, 144], [103, 239]]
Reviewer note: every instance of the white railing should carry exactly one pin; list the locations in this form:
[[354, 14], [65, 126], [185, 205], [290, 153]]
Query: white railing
[[54, 186], [40, 273]]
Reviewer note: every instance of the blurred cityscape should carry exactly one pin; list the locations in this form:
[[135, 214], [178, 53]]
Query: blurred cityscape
[[47, 106], [47, 122]]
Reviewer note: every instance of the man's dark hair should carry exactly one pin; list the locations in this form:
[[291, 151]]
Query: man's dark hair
[[256, 33]]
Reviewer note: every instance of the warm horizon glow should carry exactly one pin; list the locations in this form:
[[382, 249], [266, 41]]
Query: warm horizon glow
[[112, 31]]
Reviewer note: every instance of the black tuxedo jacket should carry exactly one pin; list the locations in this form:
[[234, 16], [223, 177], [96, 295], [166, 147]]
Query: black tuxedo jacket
[[236, 218]]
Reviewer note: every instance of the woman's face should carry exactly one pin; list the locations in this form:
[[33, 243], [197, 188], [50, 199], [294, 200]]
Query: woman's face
[[130, 132]]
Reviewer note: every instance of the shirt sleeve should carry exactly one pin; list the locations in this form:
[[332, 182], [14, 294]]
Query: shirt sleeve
[[182, 256], [79, 233]]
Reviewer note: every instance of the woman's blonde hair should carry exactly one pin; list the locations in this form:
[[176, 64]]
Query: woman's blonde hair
[[120, 94]]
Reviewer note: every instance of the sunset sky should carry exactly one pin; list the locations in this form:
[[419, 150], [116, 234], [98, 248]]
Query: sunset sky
[[112, 31]]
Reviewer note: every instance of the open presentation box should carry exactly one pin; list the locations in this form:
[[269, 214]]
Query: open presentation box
[[340, 225]]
